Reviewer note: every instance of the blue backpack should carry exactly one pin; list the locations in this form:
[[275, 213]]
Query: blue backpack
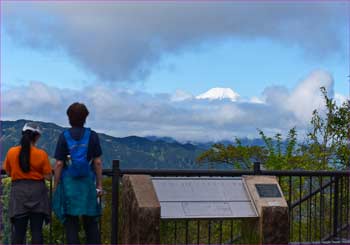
[[80, 166]]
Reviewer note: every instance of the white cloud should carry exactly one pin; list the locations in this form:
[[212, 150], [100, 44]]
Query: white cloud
[[307, 95], [121, 41], [181, 95], [340, 99], [256, 100], [304, 98], [123, 113]]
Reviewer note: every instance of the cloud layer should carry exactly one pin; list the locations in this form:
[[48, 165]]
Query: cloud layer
[[122, 113], [120, 41]]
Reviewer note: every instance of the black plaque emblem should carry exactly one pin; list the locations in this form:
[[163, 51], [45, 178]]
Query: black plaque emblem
[[268, 190]]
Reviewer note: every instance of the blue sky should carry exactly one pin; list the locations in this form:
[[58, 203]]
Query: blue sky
[[246, 66], [110, 53]]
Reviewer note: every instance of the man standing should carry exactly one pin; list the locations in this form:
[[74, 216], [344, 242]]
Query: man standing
[[78, 177]]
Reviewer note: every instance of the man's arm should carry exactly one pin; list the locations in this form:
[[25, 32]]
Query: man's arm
[[58, 170], [98, 171]]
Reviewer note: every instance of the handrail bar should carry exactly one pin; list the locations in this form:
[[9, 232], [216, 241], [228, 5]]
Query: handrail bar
[[211, 172]]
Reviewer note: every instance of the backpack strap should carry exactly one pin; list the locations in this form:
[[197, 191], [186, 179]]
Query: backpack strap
[[86, 136], [68, 138], [83, 140]]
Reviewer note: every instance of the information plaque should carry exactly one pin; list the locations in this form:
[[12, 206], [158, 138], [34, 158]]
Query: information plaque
[[268, 190], [199, 197]]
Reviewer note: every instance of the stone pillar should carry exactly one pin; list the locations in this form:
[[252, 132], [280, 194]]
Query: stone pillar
[[273, 211], [140, 211]]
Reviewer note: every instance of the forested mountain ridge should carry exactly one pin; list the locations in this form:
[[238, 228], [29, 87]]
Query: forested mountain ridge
[[132, 151]]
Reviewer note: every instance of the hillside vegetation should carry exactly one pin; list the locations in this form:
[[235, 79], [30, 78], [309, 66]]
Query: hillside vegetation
[[133, 151]]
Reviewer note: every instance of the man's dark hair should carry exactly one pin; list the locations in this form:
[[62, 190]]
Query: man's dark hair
[[77, 114]]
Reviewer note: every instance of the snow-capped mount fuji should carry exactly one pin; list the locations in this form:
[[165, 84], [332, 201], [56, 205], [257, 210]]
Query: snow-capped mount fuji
[[219, 94]]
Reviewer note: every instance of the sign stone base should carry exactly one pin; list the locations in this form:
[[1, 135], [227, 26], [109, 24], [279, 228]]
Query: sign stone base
[[272, 209], [141, 211], [267, 223]]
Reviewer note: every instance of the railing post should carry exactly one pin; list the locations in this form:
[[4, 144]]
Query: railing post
[[115, 202], [257, 169], [335, 208]]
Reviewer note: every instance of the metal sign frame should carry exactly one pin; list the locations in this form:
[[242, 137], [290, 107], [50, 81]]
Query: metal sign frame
[[268, 190], [203, 198]]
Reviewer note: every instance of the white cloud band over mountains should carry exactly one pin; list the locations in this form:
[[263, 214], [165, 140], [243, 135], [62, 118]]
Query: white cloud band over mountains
[[122, 113]]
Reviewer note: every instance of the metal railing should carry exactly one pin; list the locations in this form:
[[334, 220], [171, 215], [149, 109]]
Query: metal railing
[[318, 206]]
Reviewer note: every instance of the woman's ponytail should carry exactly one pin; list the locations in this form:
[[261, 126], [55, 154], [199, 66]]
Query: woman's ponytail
[[24, 155]]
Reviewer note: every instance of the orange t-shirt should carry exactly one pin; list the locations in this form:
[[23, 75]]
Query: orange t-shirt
[[39, 164]]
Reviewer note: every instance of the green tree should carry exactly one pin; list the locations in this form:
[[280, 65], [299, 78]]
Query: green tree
[[326, 145], [238, 156], [283, 153]]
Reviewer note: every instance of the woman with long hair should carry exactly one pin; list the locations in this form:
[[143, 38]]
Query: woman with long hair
[[28, 167]]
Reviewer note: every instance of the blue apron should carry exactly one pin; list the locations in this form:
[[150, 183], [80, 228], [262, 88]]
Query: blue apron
[[76, 196]]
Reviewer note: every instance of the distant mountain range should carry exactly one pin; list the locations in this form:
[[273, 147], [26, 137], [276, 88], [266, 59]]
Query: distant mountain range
[[133, 151]]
